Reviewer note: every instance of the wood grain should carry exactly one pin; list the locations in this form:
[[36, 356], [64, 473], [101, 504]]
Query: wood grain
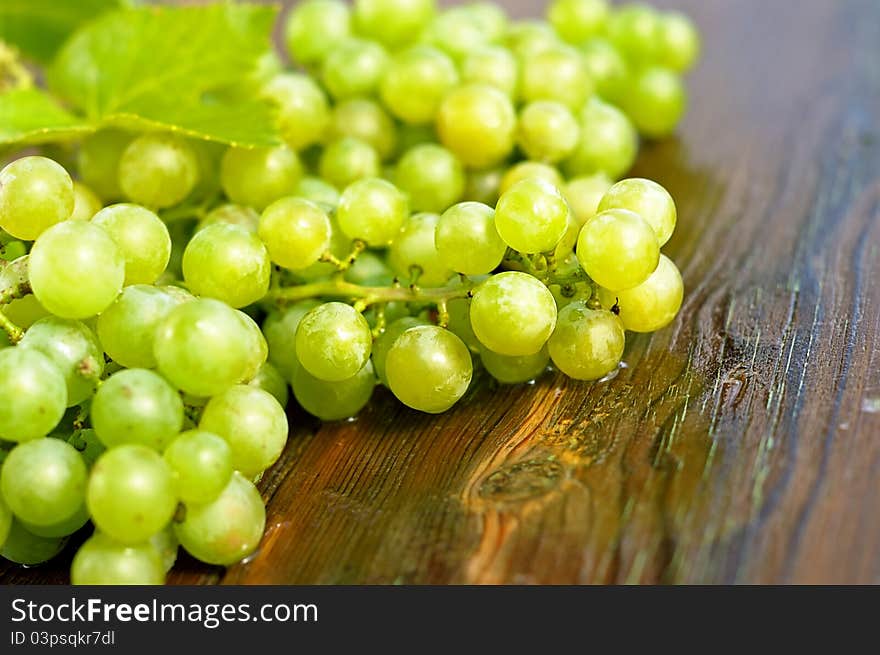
[[740, 445]]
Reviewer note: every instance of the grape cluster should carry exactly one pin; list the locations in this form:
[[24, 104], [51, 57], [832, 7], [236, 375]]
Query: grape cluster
[[445, 195]]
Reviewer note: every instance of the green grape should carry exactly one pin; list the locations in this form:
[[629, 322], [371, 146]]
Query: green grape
[[513, 313], [457, 33], [467, 240], [227, 529], [372, 210], [409, 136], [636, 32], [35, 194], [354, 68], [483, 186], [315, 28], [87, 444], [334, 401], [98, 161], [33, 394], [333, 341], [137, 406], [317, 190], [370, 269], [428, 368], [527, 38], [489, 18], [415, 249], [296, 232], [525, 170], [208, 155], [76, 269], [43, 481], [347, 160], [130, 493], [141, 237], [415, 83], [547, 131], [127, 328], [477, 123], [531, 216], [63, 528], [280, 330], [607, 68], [557, 73], [5, 521], [384, 342], [494, 66], [255, 345], [567, 243], [104, 561], [165, 543], [75, 351], [587, 344], [229, 263], [584, 195], [392, 22], [12, 249], [618, 249], [366, 120], [158, 170], [459, 310], [653, 304], [679, 42], [202, 347], [258, 177], [85, 203], [431, 176], [303, 111], [270, 380], [656, 102], [609, 142], [578, 20], [201, 465], [25, 311], [647, 199], [244, 217], [515, 370], [28, 549]]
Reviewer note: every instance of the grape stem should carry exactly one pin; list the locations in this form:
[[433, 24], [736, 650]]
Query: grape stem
[[367, 296], [14, 284], [12, 331]]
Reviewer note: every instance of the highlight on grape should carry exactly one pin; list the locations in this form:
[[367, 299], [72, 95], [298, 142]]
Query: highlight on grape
[[417, 192]]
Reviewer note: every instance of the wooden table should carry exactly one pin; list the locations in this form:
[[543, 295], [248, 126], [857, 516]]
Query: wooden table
[[741, 445]]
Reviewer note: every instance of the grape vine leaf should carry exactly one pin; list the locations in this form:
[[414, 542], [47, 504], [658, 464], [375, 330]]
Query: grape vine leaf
[[39, 27], [32, 116]]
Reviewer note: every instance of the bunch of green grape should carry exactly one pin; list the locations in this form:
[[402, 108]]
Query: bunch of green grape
[[444, 198]]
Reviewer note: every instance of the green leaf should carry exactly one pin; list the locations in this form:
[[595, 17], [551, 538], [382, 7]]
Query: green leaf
[[29, 116], [39, 27]]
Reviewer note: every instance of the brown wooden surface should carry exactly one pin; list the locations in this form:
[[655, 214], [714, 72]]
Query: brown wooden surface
[[741, 445]]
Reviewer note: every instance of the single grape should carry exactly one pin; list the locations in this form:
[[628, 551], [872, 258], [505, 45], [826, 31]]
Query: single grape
[[354, 68], [334, 401], [280, 330], [270, 380], [490, 19], [459, 310], [557, 73], [63, 528], [635, 30], [333, 341], [656, 101], [431, 176], [428, 368], [647, 199], [385, 340], [457, 33], [392, 22], [415, 250], [527, 38], [347, 160], [43, 481], [513, 313], [201, 465], [315, 28], [483, 186], [127, 328], [415, 83], [229, 263], [653, 304], [257, 177], [366, 120], [142, 239], [467, 240], [137, 406], [75, 351], [578, 20], [239, 215], [587, 344], [477, 124], [318, 191], [202, 347], [98, 161], [158, 170], [228, 528], [618, 249], [303, 111], [492, 65], [514, 370], [609, 142], [33, 394], [76, 269], [165, 543], [85, 203], [23, 547], [103, 561], [530, 169], [35, 194], [584, 195], [372, 210], [679, 42], [130, 493], [531, 216], [296, 232], [547, 131], [607, 67]]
